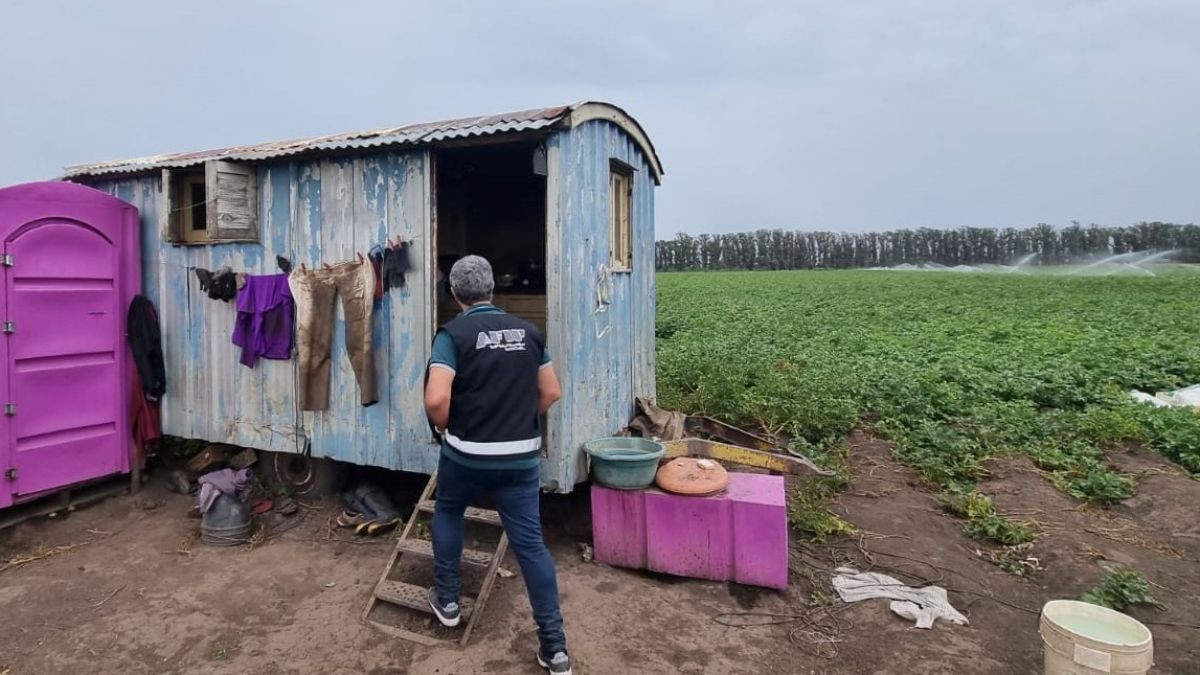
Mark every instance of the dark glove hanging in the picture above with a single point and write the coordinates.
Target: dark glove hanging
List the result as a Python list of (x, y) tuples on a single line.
[(205, 278), (284, 264), (219, 285), (396, 264), (223, 286)]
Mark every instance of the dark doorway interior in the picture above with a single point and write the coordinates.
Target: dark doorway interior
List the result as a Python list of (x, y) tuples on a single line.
[(491, 201)]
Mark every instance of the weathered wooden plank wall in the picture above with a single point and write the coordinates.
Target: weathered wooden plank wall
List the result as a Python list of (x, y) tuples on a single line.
[(604, 358), (311, 212)]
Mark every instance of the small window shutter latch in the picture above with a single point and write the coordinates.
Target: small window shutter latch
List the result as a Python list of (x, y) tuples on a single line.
[(10, 409), (9, 327), (6, 260), (11, 473)]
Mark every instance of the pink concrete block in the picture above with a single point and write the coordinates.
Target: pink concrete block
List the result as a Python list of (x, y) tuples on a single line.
[(619, 527), (740, 535)]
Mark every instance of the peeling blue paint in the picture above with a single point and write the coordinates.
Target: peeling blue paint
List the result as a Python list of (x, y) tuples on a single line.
[(310, 202), (601, 354), (326, 210)]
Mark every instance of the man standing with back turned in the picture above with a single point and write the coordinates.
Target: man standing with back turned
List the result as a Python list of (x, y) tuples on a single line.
[(490, 380)]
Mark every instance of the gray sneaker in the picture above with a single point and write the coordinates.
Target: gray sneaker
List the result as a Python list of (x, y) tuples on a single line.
[(559, 664), (448, 614)]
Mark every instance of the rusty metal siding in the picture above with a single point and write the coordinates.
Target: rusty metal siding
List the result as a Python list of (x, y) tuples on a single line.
[(312, 212), (604, 358)]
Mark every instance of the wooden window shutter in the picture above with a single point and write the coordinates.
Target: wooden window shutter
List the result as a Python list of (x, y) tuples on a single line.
[(232, 201), (627, 222)]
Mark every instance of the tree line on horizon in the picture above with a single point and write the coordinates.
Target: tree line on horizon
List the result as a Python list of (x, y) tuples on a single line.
[(788, 250)]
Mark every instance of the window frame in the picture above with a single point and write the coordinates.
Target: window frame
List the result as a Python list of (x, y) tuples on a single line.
[(620, 215), (231, 204), (186, 207)]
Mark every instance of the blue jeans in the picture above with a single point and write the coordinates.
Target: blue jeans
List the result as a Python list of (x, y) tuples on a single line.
[(516, 495)]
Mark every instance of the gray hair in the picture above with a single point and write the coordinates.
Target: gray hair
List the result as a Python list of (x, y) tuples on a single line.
[(471, 280)]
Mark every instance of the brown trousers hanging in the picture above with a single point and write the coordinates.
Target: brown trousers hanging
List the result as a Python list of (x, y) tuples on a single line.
[(314, 292)]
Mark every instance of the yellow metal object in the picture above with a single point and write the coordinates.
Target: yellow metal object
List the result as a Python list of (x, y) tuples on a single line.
[(698, 447)]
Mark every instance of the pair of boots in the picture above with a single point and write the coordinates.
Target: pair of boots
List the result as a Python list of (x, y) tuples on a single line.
[(368, 511)]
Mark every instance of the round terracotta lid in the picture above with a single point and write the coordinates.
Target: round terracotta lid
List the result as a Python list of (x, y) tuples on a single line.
[(693, 477)]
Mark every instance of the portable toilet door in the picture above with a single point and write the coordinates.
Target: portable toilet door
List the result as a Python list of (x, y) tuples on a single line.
[(71, 266)]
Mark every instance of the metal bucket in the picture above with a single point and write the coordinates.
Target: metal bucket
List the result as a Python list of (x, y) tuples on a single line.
[(227, 523)]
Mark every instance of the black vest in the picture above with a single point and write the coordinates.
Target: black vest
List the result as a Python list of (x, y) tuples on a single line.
[(494, 396)]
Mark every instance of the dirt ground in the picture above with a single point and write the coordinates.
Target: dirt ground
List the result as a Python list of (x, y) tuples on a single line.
[(135, 594)]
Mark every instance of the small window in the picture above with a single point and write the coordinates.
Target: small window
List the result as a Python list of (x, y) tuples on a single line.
[(620, 189), (191, 207), (217, 203)]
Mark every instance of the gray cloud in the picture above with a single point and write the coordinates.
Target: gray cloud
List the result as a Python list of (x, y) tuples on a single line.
[(792, 114)]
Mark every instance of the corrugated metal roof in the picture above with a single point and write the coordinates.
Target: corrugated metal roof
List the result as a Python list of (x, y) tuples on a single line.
[(428, 132)]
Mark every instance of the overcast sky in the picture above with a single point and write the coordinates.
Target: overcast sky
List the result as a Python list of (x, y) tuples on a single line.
[(806, 115)]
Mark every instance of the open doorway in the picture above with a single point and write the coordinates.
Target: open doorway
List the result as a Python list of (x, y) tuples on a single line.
[(491, 201)]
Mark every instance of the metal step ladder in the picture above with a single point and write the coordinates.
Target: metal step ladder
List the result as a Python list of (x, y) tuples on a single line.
[(413, 596)]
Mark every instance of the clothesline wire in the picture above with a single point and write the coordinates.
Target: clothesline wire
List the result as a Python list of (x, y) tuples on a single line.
[(166, 263), (193, 205), (302, 442)]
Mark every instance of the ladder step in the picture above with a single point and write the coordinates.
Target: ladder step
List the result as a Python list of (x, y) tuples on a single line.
[(414, 597), (424, 548), (485, 516)]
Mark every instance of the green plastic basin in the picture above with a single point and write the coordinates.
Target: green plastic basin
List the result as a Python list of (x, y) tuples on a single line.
[(624, 463)]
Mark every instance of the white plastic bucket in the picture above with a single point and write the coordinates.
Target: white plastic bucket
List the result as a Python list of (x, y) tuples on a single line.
[(1080, 638)]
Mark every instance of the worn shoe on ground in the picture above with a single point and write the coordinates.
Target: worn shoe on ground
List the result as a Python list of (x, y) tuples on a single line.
[(448, 614), (350, 519), (382, 525), (559, 664)]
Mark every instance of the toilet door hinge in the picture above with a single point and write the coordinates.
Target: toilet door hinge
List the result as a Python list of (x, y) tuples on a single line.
[(10, 409), (11, 473), (9, 327), (6, 260)]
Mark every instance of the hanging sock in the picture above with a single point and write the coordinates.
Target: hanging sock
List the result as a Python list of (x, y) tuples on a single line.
[(378, 255)]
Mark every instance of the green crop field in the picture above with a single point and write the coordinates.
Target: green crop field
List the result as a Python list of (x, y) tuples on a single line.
[(952, 368)]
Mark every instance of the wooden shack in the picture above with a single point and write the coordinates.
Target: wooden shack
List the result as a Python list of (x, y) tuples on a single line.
[(560, 199)]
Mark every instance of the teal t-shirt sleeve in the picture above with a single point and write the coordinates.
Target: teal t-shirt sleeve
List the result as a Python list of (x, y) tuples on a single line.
[(545, 356), (443, 351)]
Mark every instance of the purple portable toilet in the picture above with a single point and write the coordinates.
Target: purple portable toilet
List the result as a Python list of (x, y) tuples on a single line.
[(71, 265)]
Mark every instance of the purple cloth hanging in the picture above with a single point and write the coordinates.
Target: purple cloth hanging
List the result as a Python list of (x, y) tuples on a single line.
[(224, 481), (265, 315)]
